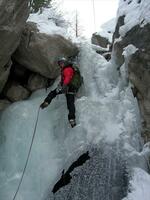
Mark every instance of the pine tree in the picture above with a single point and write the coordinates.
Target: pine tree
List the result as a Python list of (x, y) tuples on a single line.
[(37, 4)]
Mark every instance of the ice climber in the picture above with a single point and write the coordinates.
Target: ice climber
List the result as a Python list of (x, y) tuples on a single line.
[(70, 82)]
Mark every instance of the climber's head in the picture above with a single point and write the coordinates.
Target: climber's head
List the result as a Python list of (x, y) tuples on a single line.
[(62, 61)]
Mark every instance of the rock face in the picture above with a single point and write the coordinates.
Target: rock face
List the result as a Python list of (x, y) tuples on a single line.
[(120, 22), (36, 82), (13, 16), (138, 67), (22, 82), (99, 40), (4, 73), (33, 64), (105, 47), (17, 92), (39, 52)]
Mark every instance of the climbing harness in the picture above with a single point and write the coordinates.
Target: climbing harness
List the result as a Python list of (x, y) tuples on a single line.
[(28, 155)]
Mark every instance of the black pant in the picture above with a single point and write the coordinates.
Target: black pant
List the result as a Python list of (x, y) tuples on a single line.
[(70, 97), (70, 105)]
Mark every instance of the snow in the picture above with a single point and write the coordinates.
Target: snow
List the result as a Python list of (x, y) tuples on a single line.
[(135, 13), (129, 50), (110, 25), (99, 48), (107, 29), (139, 185), (47, 22)]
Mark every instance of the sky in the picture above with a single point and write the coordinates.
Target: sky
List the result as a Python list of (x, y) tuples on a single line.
[(104, 11)]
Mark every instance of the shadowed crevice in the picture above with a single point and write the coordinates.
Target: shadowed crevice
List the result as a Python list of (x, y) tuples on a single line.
[(66, 177)]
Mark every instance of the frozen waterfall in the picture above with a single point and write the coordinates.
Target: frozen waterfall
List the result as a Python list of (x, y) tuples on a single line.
[(108, 125)]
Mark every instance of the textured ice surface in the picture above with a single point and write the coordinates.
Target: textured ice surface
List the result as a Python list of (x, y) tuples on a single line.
[(106, 111), (103, 176)]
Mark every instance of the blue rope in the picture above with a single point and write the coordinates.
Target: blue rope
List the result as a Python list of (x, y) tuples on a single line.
[(27, 156)]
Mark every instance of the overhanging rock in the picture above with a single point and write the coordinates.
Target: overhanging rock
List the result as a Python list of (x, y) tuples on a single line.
[(13, 15), (39, 52)]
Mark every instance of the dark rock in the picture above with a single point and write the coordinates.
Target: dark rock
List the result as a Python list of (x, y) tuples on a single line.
[(4, 74), (137, 36), (119, 23), (118, 50), (138, 66), (13, 16), (99, 40), (19, 74), (17, 92), (107, 55), (4, 103), (36, 81)]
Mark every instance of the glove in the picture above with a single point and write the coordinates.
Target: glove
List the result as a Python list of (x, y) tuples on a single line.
[(61, 89), (44, 105)]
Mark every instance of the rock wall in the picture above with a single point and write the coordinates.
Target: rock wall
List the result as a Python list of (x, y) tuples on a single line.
[(99, 40), (28, 58), (13, 15), (138, 67)]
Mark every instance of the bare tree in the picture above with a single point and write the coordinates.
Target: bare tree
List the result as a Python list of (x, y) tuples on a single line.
[(76, 26)]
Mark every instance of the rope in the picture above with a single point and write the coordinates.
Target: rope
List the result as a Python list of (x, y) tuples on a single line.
[(28, 155), (94, 15)]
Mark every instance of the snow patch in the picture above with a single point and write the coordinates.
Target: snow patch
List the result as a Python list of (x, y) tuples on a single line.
[(129, 50), (47, 22), (139, 185), (135, 13), (108, 29)]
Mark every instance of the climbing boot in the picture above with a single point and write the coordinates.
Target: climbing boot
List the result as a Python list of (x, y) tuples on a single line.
[(72, 122)]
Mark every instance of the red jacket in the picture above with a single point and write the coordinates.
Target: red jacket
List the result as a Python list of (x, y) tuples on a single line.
[(67, 75)]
